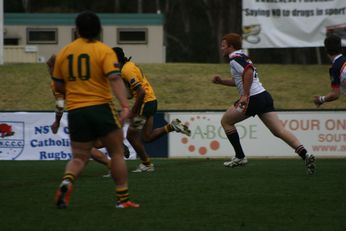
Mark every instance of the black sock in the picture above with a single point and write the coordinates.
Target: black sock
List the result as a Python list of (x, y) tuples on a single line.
[(301, 151), (234, 139)]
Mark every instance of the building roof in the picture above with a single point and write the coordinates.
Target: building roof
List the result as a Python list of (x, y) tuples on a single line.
[(69, 19)]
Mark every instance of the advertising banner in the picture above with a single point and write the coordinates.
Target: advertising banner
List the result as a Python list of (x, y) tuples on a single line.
[(292, 23), (27, 136), (322, 133)]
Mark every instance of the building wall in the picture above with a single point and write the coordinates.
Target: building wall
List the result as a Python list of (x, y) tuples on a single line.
[(151, 52)]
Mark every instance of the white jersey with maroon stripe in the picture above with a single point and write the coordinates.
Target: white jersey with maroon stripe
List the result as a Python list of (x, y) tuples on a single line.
[(338, 73), (239, 62)]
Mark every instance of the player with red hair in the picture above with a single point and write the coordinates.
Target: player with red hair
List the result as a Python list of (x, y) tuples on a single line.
[(254, 100)]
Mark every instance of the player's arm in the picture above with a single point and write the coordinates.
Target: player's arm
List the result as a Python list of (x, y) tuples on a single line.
[(228, 82), (120, 92), (50, 63), (335, 89), (59, 111), (334, 94), (59, 93), (59, 84), (140, 92), (59, 97), (247, 82)]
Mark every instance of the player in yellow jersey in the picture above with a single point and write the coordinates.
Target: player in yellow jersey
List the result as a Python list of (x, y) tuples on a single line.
[(85, 73), (96, 154), (143, 111)]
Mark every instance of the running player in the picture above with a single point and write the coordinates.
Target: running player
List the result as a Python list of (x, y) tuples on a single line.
[(254, 100), (96, 154), (85, 73), (143, 111), (337, 71)]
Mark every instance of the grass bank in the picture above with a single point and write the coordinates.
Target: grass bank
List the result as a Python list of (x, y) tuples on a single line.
[(178, 86)]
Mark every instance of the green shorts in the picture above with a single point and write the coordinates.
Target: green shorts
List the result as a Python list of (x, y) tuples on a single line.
[(89, 123), (149, 108)]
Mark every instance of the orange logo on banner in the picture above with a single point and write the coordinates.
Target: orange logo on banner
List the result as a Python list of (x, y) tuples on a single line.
[(213, 145)]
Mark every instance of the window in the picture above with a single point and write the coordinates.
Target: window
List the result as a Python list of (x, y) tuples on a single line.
[(11, 41), (42, 36), (132, 36)]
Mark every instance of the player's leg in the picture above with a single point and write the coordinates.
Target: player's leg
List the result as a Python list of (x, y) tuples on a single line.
[(100, 157), (81, 154), (141, 129), (134, 136), (113, 142), (82, 141), (149, 133), (103, 158), (109, 131), (228, 121), (98, 144), (271, 120)]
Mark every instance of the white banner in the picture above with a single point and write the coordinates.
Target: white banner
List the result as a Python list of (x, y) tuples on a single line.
[(27, 136), (292, 23), (322, 133)]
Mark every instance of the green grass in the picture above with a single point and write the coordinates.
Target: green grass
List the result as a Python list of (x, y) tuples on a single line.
[(183, 194), (25, 87)]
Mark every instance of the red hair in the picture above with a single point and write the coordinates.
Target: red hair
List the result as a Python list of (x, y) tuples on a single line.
[(233, 39)]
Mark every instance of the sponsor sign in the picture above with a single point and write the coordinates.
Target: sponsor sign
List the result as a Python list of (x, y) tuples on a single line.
[(27, 136), (322, 133), (11, 139), (34, 137)]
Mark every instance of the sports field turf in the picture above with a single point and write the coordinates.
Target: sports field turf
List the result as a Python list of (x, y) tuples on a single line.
[(182, 194)]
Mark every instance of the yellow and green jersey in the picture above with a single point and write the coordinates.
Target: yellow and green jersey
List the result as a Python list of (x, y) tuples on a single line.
[(83, 66), (134, 78)]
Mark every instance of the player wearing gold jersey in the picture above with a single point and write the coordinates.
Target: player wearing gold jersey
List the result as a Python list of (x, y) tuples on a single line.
[(96, 154), (84, 72), (143, 111)]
